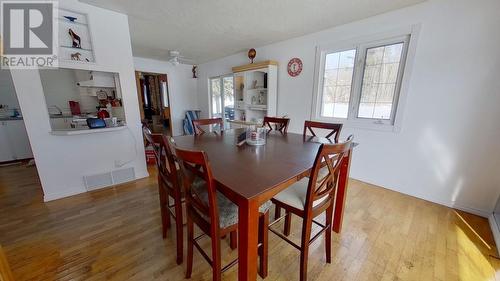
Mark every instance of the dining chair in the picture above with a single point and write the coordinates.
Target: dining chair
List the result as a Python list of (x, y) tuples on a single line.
[(308, 126), (213, 213), (310, 198), (335, 129), (204, 122), (281, 124), (169, 186)]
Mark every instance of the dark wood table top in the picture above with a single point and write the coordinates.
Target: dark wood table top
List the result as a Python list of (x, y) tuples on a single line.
[(253, 170)]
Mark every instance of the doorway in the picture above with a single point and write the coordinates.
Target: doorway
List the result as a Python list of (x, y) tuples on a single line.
[(18, 174), (222, 98), (14, 142), (154, 101)]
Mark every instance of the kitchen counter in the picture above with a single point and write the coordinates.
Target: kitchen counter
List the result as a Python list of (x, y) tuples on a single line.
[(72, 132), (8, 118), (55, 116)]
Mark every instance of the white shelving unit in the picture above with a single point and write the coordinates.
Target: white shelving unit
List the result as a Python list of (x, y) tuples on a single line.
[(81, 28), (255, 92)]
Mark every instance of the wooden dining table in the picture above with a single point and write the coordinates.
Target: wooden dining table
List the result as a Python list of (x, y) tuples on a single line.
[(251, 175)]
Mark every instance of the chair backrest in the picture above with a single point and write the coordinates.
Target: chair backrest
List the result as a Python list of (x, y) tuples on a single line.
[(195, 169), (165, 161), (335, 129), (203, 122), (281, 124), (320, 192)]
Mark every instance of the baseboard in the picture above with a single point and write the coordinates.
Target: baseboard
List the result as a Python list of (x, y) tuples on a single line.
[(495, 229), (450, 204), (59, 195), (481, 213)]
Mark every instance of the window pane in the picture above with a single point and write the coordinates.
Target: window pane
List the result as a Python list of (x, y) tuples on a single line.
[(337, 82), (379, 81), (216, 98), (228, 98)]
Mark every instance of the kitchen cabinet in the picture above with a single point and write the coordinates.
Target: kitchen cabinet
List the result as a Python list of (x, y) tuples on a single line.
[(14, 142), (5, 150)]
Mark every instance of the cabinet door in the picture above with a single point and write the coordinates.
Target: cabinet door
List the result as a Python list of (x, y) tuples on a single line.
[(5, 149), (18, 137)]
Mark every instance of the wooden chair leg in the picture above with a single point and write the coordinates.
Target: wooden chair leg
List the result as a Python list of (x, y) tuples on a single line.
[(263, 240), (216, 258), (288, 223), (328, 234), (233, 240), (304, 252), (190, 245), (277, 212), (165, 216), (178, 227)]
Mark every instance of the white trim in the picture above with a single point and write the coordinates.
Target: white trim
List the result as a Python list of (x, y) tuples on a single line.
[(71, 192), (62, 194), (474, 211), (361, 43), (73, 132), (426, 197), (495, 229), (221, 85)]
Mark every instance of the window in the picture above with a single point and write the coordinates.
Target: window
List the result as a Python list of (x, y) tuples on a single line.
[(360, 83), (222, 97)]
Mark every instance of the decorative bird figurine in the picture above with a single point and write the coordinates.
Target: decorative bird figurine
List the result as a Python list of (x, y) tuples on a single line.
[(75, 38), (70, 18)]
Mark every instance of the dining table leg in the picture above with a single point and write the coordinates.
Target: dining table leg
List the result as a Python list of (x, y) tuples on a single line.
[(338, 214), (248, 233)]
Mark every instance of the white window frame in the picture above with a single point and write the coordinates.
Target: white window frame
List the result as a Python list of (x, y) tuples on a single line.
[(221, 86), (409, 36)]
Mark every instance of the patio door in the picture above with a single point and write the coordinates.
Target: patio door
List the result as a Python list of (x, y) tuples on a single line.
[(222, 98)]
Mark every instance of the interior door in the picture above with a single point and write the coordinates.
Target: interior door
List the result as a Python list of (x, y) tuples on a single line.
[(139, 93), (162, 79)]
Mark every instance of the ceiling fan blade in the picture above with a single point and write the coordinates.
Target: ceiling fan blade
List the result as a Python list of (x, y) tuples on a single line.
[(184, 60)]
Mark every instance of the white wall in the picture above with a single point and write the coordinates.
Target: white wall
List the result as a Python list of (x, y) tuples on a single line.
[(448, 148), (62, 161), (181, 86)]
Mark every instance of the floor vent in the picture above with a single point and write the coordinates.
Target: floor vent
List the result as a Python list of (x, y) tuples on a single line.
[(98, 181), (94, 182), (123, 175)]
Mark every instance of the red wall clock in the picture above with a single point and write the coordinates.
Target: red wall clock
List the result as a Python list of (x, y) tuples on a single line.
[(294, 67)]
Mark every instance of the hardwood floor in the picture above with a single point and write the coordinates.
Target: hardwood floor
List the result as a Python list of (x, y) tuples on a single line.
[(116, 234)]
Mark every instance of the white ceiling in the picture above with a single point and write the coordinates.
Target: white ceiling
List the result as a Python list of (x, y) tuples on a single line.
[(206, 30)]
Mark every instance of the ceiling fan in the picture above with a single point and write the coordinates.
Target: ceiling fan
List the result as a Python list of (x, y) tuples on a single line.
[(175, 58)]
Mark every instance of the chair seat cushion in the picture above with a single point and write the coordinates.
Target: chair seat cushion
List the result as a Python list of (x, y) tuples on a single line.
[(295, 195), (228, 211)]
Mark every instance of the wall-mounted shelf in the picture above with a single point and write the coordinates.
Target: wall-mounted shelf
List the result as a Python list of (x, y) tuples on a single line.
[(73, 132), (76, 49), (252, 104), (254, 66), (79, 26)]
